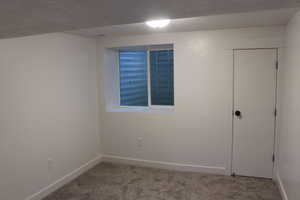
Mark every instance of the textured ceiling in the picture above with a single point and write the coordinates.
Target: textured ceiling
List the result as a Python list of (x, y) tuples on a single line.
[(222, 21), (27, 17)]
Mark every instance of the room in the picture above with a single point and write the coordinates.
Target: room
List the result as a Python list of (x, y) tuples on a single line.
[(156, 100)]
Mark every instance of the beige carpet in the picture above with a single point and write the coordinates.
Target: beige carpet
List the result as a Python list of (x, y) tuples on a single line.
[(123, 182)]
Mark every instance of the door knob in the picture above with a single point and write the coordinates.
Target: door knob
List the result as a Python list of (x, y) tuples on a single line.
[(238, 113)]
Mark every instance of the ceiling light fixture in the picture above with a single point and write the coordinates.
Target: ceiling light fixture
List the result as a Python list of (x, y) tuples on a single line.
[(158, 23)]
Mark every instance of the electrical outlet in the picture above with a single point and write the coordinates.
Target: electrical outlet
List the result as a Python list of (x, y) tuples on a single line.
[(139, 141), (50, 163)]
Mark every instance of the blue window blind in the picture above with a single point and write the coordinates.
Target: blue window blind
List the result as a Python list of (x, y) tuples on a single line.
[(162, 77), (133, 78)]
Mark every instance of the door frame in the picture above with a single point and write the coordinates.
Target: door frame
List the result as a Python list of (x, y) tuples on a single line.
[(275, 111)]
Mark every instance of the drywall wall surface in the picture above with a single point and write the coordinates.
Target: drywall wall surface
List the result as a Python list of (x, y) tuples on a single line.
[(48, 111), (288, 169), (198, 130)]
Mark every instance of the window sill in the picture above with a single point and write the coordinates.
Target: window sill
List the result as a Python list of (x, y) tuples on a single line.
[(152, 109)]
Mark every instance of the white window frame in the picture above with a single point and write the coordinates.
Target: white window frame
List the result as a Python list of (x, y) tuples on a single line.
[(150, 107)]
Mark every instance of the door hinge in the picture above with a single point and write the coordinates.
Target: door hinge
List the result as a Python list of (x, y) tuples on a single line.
[(276, 65), (273, 158), (275, 112)]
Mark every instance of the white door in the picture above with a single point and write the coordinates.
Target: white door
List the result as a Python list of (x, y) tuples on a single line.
[(254, 112)]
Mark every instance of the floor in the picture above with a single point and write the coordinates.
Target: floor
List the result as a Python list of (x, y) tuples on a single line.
[(109, 181)]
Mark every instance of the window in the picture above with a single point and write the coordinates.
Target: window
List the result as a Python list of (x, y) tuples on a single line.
[(133, 78), (162, 81), (146, 77)]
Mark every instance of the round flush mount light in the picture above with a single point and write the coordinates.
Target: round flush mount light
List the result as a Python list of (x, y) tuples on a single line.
[(158, 23)]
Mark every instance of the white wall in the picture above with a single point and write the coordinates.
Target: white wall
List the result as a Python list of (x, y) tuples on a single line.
[(48, 109), (289, 102), (198, 132)]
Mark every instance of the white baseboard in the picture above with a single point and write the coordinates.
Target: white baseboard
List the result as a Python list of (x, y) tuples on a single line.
[(164, 165), (281, 187), (64, 180)]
